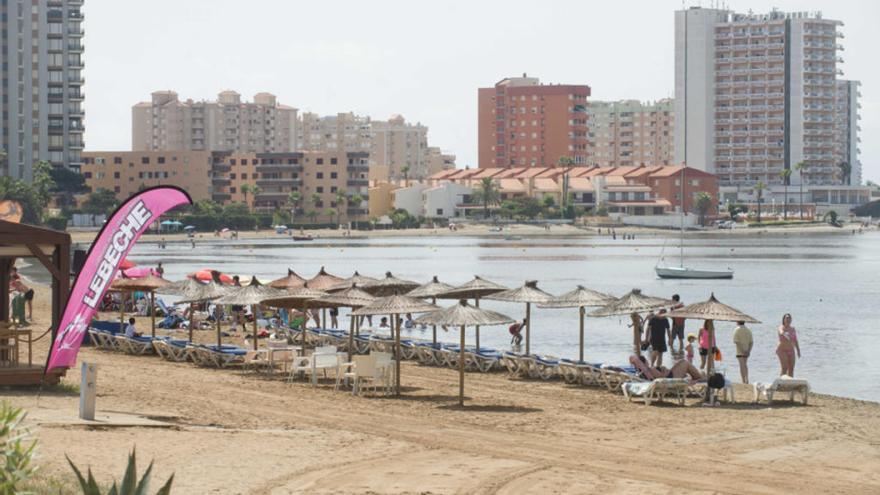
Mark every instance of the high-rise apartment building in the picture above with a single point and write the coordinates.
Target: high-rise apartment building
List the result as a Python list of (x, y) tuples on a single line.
[(400, 146), (755, 95), (340, 132), (846, 139), (228, 124), (42, 57), (629, 132), (439, 161), (525, 123)]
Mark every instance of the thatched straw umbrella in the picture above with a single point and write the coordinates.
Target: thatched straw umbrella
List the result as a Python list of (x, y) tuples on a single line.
[(463, 315), (356, 279), (711, 310), (432, 289), (475, 289), (296, 298), (147, 284), (395, 305), (291, 281), (192, 291), (251, 295), (579, 298), (352, 298), (389, 286), (324, 281), (529, 293), (633, 303)]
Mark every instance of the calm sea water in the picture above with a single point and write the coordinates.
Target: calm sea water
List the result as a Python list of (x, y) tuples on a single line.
[(829, 283)]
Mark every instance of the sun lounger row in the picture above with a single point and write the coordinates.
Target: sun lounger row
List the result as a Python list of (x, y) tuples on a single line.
[(108, 340)]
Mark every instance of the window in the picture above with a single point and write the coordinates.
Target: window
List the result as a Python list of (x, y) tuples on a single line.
[(333, 161), (333, 189), (161, 159), (319, 161), (87, 175), (145, 160), (116, 189), (319, 175), (319, 189), (232, 190), (116, 176), (117, 160), (231, 176), (243, 176), (232, 161), (333, 175), (439, 212), (244, 161)]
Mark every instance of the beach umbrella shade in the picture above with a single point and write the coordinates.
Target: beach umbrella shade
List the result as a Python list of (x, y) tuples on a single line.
[(356, 279), (353, 297), (149, 284), (475, 289), (126, 264), (251, 295), (463, 315), (633, 303), (192, 291), (395, 305), (189, 227), (529, 293), (298, 298), (389, 286), (579, 298), (324, 281), (208, 274), (138, 272), (711, 310), (291, 281), (431, 290)]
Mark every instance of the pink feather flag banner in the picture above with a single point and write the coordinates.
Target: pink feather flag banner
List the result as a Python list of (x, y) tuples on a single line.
[(110, 247)]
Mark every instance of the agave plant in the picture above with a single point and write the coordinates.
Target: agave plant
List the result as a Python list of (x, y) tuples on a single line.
[(16, 467), (129, 485)]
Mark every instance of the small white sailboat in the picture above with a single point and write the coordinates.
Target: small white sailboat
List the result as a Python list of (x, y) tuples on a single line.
[(682, 271)]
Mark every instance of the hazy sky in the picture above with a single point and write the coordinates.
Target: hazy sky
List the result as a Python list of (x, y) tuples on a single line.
[(423, 60)]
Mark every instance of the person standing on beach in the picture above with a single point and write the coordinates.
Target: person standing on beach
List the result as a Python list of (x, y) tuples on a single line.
[(788, 346), (658, 330), (160, 270), (516, 332), (16, 284), (742, 339), (677, 326)]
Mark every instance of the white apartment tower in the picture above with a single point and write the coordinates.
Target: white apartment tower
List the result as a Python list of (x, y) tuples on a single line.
[(846, 123), (228, 124), (42, 114), (755, 94)]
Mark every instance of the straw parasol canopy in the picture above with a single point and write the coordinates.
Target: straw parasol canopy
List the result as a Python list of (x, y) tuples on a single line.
[(579, 298), (711, 310), (251, 295), (395, 305), (431, 290), (463, 315), (356, 279), (146, 284), (323, 280), (291, 281), (529, 293), (183, 288), (353, 297), (390, 285), (475, 289), (633, 303), (192, 291), (297, 298)]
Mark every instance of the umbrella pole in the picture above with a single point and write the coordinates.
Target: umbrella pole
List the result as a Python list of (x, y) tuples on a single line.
[(254, 311), (477, 305), (122, 310), (351, 326), (710, 363), (397, 354), (192, 320), (637, 333), (528, 326), (304, 324), (461, 370), (581, 355), (324, 318), (153, 314), (217, 312), (434, 327)]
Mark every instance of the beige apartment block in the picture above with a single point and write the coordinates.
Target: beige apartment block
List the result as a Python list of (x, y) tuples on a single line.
[(225, 124), (439, 161), (340, 132), (324, 180), (629, 132), (127, 172), (401, 146)]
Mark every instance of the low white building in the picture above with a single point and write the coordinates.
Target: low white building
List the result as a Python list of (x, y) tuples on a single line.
[(409, 198), (443, 201)]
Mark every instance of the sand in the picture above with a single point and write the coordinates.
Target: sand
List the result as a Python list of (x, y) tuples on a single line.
[(231, 431)]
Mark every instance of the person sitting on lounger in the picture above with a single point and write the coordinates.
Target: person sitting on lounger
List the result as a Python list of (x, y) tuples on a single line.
[(130, 331), (383, 323), (681, 369)]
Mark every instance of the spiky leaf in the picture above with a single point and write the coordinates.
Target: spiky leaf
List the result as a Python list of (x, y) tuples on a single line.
[(128, 481), (166, 488)]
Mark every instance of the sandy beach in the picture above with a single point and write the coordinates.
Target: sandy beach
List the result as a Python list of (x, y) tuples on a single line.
[(482, 230), (231, 431)]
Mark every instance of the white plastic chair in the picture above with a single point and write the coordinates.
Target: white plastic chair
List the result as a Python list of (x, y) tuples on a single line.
[(362, 369)]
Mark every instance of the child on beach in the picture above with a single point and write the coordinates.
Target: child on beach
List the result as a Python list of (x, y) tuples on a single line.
[(689, 348)]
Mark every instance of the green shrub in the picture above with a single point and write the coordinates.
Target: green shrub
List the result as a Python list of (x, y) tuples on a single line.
[(57, 223), (15, 457), (129, 484)]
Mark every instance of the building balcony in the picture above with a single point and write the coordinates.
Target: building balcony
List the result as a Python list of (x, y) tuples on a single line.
[(75, 47), (75, 32), (279, 167), (282, 182), (221, 197), (357, 169), (221, 181), (76, 80), (76, 145), (75, 64), (357, 182), (221, 167)]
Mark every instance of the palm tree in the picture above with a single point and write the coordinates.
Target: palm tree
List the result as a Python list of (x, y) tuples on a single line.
[(245, 189), (313, 215), (330, 212), (703, 204), (255, 191), (316, 200), (785, 175), (355, 200), (759, 189), (565, 161), (845, 172), (487, 194), (340, 202), (405, 171), (293, 200), (801, 167)]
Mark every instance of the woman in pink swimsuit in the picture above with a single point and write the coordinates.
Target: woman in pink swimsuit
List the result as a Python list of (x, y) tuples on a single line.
[(788, 346)]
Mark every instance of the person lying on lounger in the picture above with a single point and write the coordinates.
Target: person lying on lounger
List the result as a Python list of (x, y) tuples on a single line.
[(680, 369)]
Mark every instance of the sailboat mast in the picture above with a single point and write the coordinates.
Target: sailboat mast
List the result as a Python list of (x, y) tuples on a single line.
[(681, 234)]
